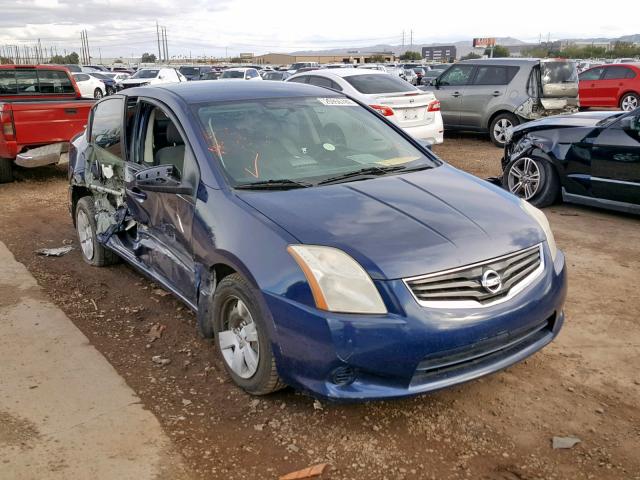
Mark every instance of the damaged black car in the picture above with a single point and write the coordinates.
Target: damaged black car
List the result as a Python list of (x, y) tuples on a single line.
[(590, 158)]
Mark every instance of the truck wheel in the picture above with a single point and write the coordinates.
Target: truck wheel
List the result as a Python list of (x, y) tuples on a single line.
[(93, 252), (499, 126), (6, 170), (97, 94), (532, 179), (242, 337), (629, 102)]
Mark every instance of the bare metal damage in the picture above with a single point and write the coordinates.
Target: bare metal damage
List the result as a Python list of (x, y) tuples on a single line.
[(534, 108)]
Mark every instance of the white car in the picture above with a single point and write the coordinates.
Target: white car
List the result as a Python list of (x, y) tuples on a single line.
[(90, 87), (415, 111), (240, 74), (118, 76), (153, 76)]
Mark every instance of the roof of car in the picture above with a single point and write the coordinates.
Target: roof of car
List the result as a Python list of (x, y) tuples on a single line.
[(503, 61), (345, 72), (217, 91), (239, 69)]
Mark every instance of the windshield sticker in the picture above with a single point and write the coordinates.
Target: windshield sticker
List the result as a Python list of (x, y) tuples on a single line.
[(328, 147), (337, 101)]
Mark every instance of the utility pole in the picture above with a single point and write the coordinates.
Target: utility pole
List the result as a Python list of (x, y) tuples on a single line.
[(166, 45), (86, 38), (411, 40), (158, 35), (403, 39)]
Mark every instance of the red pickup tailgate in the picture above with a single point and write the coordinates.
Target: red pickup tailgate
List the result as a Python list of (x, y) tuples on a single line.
[(42, 122)]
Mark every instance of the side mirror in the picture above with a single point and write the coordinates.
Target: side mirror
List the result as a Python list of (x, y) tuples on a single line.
[(161, 77), (163, 179), (631, 122)]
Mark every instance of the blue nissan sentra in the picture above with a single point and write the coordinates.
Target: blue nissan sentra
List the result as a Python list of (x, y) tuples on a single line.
[(321, 246)]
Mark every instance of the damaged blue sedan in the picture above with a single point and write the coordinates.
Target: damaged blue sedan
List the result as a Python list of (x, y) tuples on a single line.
[(319, 245)]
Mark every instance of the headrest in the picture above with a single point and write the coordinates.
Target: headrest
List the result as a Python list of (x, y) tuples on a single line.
[(173, 135)]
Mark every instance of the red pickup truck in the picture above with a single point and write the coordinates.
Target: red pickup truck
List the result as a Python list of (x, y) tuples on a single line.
[(41, 109)]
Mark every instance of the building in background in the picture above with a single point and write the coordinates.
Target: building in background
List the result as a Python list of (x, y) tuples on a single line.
[(352, 57), (440, 53)]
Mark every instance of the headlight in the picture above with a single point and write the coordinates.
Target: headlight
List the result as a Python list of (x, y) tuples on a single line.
[(337, 281), (541, 218)]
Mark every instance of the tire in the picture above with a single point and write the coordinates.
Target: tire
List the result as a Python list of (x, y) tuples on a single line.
[(97, 94), (92, 251), (498, 126), (110, 91), (629, 102), (6, 170), (260, 378), (547, 189)]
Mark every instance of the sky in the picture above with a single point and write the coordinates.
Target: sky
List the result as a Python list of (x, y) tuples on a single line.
[(219, 27)]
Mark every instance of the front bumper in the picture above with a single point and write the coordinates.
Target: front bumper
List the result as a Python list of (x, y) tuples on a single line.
[(412, 349)]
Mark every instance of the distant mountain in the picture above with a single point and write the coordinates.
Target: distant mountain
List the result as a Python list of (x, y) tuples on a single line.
[(463, 46)]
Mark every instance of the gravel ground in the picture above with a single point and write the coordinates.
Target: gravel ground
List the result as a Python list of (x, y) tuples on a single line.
[(586, 384)]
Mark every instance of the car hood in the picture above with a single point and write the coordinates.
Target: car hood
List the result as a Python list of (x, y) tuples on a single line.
[(582, 119), (404, 225)]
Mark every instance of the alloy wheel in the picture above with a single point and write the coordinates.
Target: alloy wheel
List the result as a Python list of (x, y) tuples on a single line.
[(238, 341), (85, 234), (500, 129), (524, 178), (630, 102)]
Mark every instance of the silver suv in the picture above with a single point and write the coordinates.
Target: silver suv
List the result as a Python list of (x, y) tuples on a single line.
[(493, 95)]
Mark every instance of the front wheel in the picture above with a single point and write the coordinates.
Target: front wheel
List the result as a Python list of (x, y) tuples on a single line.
[(97, 94), (499, 128), (242, 337), (629, 102), (92, 251), (532, 179)]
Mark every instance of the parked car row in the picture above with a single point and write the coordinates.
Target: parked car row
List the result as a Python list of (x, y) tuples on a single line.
[(614, 85)]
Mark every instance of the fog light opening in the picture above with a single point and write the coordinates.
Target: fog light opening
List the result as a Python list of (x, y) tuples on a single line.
[(342, 376)]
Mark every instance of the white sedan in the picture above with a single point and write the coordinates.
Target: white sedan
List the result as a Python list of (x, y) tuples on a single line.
[(90, 87), (415, 111)]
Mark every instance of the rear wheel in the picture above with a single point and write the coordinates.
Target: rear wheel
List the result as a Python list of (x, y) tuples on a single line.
[(6, 170), (92, 251), (500, 126), (97, 94), (532, 179), (629, 102), (242, 337)]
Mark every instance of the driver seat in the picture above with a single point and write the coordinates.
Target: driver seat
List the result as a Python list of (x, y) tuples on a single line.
[(173, 153)]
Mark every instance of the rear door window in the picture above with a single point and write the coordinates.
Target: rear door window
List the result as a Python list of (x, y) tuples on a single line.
[(616, 73), (494, 75)]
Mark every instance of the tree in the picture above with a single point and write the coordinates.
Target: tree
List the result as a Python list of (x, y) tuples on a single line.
[(377, 59), (5, 60), (498, 52), (470, 56), (148, 58), (409, 55), (71, 59), (236, 60)]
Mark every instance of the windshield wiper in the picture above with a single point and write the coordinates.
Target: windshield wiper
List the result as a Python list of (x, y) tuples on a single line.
[(280, 184), (369, 171)]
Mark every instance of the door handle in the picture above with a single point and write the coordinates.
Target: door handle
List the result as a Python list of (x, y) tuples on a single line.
[(70, 111), (497, 93), (456, 94), (137, 194)]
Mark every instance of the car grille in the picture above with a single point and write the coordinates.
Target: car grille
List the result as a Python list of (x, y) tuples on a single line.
[(463, 287)]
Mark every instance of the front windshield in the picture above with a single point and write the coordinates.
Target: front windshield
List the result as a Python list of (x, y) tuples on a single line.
[(305, 139), (558, 72), (146, 73), (232, 74)]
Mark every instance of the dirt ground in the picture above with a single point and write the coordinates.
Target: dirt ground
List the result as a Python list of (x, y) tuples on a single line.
[(586, 384)]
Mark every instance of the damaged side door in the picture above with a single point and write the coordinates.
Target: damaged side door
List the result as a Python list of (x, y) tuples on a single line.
[(160, 184)]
